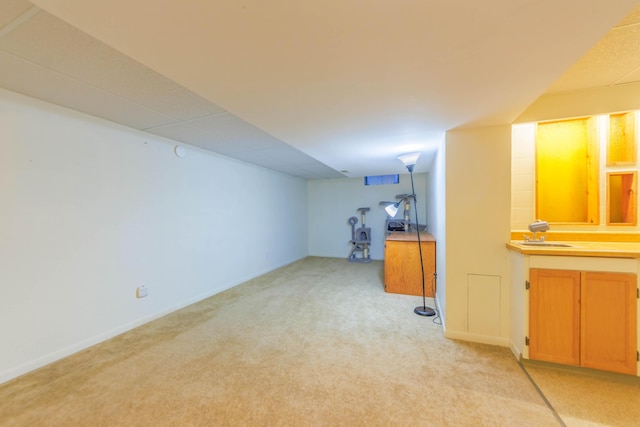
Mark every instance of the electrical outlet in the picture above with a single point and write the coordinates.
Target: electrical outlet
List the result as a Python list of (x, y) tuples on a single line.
[(141, 292)]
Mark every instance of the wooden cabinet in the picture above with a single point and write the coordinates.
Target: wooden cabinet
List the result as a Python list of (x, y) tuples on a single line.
[(584, 318), (608, 322), (554, 316), (402, 263)]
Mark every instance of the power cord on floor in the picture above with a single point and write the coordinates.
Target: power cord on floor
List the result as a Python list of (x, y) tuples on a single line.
[(436, 319)]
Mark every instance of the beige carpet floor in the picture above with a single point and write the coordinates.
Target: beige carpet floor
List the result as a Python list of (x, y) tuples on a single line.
[(317, 342), (584, 397)]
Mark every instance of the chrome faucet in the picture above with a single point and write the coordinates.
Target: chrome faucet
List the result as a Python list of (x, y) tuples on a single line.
[(538, 226)]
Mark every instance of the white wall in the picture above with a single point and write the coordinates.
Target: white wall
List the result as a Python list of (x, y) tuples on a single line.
[(478, 186), (333, 201), (91, 210), (436, 218)]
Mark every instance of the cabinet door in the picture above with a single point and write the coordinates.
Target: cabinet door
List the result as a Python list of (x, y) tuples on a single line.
[(608, 322), (554, 316), (402, 267)]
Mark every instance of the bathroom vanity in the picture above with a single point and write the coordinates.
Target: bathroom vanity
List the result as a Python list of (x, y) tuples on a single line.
[(576, 303)]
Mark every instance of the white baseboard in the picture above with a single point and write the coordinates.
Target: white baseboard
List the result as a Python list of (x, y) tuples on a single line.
[(515, 350), (484, 339), (437, 302)]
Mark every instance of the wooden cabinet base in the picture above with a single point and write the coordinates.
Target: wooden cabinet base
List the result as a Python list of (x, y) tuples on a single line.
[(584, 318), (402, 264), (608, 323), (554, 316)]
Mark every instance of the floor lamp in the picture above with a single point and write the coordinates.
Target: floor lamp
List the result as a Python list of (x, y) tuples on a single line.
[(410, 160)]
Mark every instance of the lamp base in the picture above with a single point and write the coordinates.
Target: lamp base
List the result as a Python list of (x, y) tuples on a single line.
[(424, 311)]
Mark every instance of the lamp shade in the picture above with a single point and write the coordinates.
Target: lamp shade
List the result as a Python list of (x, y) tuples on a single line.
[(391, 208), (409, 159)]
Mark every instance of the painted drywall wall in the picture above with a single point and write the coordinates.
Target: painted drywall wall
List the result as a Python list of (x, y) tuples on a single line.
[(333, 201), (437, 220), (92, 210), (478, 203)]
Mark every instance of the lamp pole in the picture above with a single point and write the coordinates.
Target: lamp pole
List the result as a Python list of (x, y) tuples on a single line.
[(409, 161)]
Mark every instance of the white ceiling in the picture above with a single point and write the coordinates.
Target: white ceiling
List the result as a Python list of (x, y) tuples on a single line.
[(313, 89)]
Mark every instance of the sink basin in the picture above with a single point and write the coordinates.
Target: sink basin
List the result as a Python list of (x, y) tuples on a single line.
[(556, 244)]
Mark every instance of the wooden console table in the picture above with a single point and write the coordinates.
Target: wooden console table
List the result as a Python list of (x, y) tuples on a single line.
[(402, 263)]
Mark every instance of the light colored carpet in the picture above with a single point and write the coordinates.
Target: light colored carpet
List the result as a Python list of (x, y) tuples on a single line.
[(584, 397), (317, 342)]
